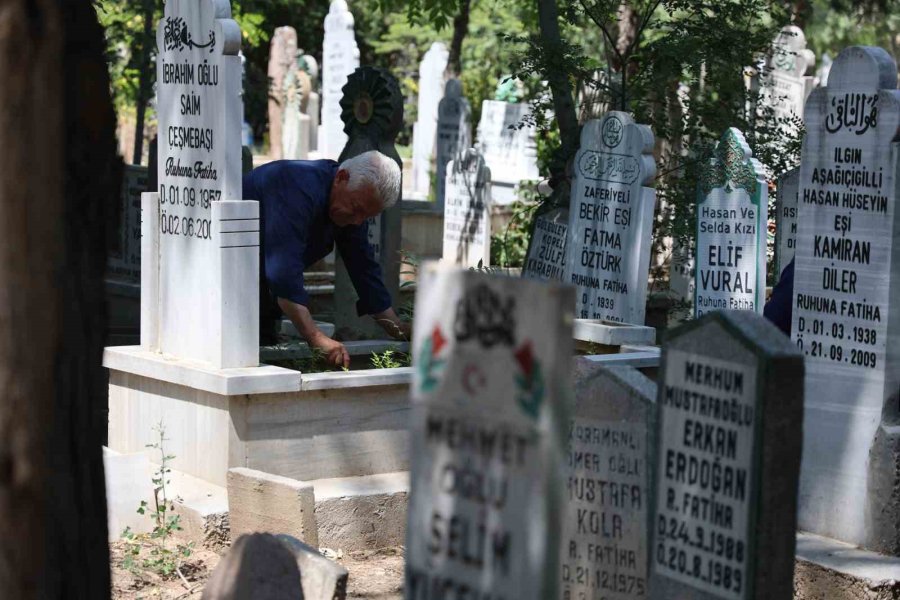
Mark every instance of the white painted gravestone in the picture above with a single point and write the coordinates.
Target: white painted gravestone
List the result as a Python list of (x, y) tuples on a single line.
[(786, 219), (611, 218), (508, 146), (732, 207), (604, 551), (489, 412), (340, 57), (846, 294), (728, 460), (311, 67), (467, 211), (124, 261), (785, 85), (200, 250), (282, 62), (454, 131), (546, 255), (295, 132), (431, 89)]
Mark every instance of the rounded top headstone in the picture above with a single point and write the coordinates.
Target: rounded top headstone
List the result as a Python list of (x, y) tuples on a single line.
[(617, 133), (371, 108), (339, 17), (863, 67), (453, 88)]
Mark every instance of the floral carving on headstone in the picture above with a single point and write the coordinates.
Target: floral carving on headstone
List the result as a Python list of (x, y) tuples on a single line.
[(732, 166)]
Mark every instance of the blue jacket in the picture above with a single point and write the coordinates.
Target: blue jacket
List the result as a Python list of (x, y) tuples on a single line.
[(295, 231), (780, 306)]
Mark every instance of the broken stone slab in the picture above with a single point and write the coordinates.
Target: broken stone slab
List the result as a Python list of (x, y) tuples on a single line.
[(258, 567), (262, 502), (827, 568), (321, 578)]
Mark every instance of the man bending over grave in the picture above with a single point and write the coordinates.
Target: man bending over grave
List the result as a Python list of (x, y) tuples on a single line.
[(306, 209)]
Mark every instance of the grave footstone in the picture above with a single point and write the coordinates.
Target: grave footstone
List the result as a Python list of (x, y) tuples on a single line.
[(200, 242), (846, 294), (786, 219), (611, 219), (282, 61), (467, 211), (725, 485), (605, 540), (785, 84), (508, 145), (372, 110), (340, 58), (454, 132), (431, 88), (489, 413), (732, 223)]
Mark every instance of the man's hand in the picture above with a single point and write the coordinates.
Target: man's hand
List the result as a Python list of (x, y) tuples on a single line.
[(299, 315), (393, 326), (335, 352)]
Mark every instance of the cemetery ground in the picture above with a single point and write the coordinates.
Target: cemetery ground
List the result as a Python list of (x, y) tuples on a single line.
[(374, 574)]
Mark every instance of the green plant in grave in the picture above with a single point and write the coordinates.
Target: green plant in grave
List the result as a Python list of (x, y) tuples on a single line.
[(159, 558), (390, 359)]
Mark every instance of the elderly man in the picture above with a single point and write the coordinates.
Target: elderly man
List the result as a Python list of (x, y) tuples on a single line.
[(307, 208)]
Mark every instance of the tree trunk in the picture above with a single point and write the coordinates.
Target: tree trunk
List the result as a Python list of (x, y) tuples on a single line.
[(144, 84), (59, 180), (460, 30), (560, 87)]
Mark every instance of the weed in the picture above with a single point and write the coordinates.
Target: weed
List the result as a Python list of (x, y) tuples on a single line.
[(390, 359), (159, 558)]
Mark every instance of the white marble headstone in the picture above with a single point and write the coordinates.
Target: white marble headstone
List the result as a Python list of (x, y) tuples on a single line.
[(785, 85), (454, 131), (467, 211), (732, 217), (786, 219), (203, 240), (431, 89), (508, 146), (491, 400), (846, 284), (282, 62), (313, 104), (340, 57), (611, 219)]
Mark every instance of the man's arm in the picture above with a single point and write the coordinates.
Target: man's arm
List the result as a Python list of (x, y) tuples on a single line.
[(299, 315)]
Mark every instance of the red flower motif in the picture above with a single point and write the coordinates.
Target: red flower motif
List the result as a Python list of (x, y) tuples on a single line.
[(437, 341), (525, 358)]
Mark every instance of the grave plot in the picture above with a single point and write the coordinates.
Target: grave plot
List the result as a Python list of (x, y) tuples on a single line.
[(845, 302)]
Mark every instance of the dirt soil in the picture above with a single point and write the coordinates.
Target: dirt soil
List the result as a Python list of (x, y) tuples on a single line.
[(374, 575)]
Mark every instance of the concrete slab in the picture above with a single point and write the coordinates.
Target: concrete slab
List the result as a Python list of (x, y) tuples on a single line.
[(203, 507), (832, 570), (262, 502), (362, 513), (127, 484), (612, 334)]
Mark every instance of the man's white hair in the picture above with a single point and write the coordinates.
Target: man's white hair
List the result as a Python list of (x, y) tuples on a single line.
[(375, 169)]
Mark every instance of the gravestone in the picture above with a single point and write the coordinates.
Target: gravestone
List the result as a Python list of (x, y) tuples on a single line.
[(282, 61), (431, 89), (728, 460), (732, 223), (508, 146), (454, 132), (467, 211), (611, 219), (490, 406), (295, 132), (200, 242), (785, 84), (546, 255), (786, 219), (846, 294), (372, 110), (309, 65), (604, 551), (124, 261), (682, 276), (340, 58)]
